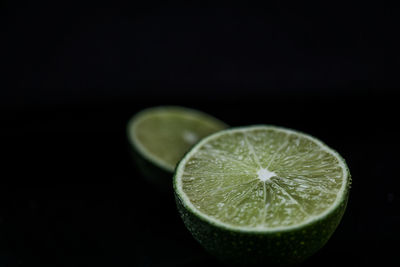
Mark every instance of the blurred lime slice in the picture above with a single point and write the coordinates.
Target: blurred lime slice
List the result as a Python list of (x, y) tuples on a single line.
[(160, 136)]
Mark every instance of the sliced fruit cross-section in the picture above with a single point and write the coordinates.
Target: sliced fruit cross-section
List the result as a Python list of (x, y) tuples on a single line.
[(262, 181), (163, 134)]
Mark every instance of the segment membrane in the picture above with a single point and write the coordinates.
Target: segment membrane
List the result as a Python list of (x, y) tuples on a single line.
[(222, 178)]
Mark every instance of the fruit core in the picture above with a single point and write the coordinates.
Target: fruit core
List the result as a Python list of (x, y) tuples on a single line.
[(264, 175)]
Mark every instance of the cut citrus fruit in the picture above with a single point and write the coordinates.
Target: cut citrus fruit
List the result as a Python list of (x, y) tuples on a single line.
[(160, 136), (261, 194)]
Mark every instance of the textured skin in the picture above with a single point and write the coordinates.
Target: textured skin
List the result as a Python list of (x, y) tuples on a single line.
[(152, 171), (273, 249)]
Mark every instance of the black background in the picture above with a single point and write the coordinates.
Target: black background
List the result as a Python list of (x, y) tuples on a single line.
[(74, 74)]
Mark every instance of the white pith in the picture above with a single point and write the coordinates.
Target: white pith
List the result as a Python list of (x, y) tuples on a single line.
[(264, 175), (190, 137)]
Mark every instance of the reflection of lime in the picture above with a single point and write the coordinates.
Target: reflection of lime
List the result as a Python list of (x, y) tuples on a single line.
[(261, 194), (160, 136)]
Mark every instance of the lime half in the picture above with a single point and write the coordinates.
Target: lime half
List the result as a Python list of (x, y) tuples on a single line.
[(262, 194), (160, 136)]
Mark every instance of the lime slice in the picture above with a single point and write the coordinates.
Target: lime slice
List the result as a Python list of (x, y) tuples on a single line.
[(262, 194), (162, 135)]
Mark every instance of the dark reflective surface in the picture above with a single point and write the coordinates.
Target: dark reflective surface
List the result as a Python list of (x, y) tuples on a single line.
[(70, 194)]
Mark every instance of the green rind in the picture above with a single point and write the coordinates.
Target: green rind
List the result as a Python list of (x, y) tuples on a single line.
[(275, 248), (281, 248), (152, 171)]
